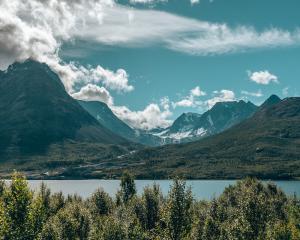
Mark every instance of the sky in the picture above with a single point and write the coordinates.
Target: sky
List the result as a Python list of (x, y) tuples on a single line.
[(152, 60)]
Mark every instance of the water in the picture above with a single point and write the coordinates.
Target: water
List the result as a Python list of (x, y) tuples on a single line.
[(202, 189)]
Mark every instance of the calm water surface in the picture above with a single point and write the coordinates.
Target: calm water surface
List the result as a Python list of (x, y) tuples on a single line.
[(202, 189)]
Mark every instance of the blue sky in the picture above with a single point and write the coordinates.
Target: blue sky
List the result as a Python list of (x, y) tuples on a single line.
[(152, 60), (156, 71)]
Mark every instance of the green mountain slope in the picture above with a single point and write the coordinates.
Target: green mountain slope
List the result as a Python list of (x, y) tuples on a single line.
[(36, 111), (267, 145)]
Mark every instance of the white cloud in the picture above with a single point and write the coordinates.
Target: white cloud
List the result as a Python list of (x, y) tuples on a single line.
[(197, 92), (193, 2), (165, 103), (113, 80), (252, 94), (37, 28), (184, 103), (262, 77), (92, 92), (285, 91), (191, 99), (151, 117), (220, 96), (147, 1)]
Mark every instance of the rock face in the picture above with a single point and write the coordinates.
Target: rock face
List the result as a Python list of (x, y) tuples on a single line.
[(193, 126), (36, 111)]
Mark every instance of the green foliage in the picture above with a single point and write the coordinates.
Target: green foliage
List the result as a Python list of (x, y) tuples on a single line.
[(57, 202), (152, 199), (101, 203), (128, 189), (179, 208), (114, 230), (40, 209), (71, 222), (3, 226), (2, 187), (248, 210), (294, 218), (17, 206)]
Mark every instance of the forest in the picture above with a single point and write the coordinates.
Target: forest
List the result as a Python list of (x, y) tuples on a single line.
[(248, 210)]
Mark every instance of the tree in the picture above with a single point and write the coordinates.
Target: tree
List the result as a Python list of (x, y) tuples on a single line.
[(57, 202), (246, 210), (179, 210), (3, 226), (17, 200), (278, 231), (128, 188), (294, 218), (152, 200), (2, 188), (72, 222), (101, 203), (40, 209), (114, 230)]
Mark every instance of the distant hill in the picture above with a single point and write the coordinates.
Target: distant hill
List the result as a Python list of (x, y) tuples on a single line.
[(36, 111), (223, 115), (108, 119), (267, 145), (186, 128)]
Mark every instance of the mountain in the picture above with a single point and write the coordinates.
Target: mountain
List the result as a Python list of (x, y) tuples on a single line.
[(267, 145), (36, 111), (272, 100), (223, 115), (187, 127), (108, 119)]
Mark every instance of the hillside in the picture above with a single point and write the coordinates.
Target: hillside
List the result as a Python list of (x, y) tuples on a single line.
[(36, 112), (108, 119), (192, 126), (267, 146)]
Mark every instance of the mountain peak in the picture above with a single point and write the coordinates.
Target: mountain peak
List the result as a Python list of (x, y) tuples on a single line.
[(272, 100), (36, 111)]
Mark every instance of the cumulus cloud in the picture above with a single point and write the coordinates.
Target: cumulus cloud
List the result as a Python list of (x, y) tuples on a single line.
[(197, 92), (113, 80), (193, 2), (92, 92), (262, 77), (220, 96), (190, 100), (151, 117), (252, 94), (37, 28), (147, 1)]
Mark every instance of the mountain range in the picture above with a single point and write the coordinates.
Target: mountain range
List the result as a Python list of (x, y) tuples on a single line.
[(108, 119), (43, 129), (267, 145), (193, 126)]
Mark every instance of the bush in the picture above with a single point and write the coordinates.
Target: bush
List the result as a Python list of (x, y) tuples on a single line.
[(247, 210), (101, 203), (71, 222)]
